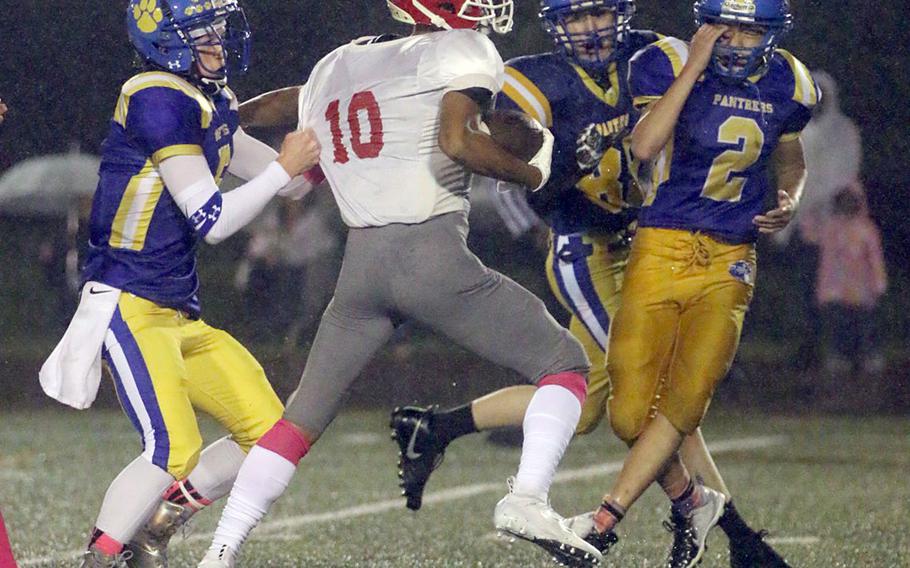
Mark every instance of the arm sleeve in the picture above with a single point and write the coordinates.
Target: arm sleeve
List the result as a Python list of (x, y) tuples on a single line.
[(653, 69), (251, 157), (164, 122), (213, 215), (467, 59)]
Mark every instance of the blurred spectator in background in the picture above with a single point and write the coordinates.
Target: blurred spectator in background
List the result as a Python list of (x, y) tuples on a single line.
[(291, 264), (833, 153), (851, 281), (3, 109)]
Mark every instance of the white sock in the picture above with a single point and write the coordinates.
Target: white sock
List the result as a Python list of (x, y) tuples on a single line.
[(217, 469), (263, 478), (549, 424), (131, 499)]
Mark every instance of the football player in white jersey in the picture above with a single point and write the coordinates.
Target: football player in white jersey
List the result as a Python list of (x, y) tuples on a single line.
[(396, 119)]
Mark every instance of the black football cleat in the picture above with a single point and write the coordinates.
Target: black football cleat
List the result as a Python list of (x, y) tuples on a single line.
[(602, 541), (749, 550), (420, 450), (583, 526), (690, 533)]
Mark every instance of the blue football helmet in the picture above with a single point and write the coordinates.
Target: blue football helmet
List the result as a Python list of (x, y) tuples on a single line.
[(739, 63), (585, 47), (168, 33)]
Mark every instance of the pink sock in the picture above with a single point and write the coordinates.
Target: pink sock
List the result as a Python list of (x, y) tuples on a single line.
[(107, 545), (6, 551)]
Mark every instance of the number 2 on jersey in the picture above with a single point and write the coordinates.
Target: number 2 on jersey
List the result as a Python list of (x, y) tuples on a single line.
[(361, 103), (725, 179)]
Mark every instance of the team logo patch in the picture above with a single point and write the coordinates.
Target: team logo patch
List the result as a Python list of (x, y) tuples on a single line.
[(744, 271), (739, 6)]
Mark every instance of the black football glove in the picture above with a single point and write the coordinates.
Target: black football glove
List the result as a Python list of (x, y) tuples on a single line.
[(590, 147), (592, 144)]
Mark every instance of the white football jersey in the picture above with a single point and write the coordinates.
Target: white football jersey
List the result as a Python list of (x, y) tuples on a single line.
[(374, 106)]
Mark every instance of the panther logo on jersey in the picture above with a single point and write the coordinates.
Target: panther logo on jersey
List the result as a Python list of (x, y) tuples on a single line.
[(148, 15)]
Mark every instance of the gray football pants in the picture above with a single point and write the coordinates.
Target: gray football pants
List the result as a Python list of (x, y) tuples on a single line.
[(426, 273)]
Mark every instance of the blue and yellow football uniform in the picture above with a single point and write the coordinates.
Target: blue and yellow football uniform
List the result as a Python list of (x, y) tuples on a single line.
[(164, 359), (692, 266), (588, 219)]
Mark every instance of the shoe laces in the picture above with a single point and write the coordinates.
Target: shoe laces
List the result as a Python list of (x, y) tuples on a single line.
[(119, 560), (683, 537)]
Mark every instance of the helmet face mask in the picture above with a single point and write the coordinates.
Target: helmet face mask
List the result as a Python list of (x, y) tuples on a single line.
[(593, 47), (455, 14), (769, 18), (176, 35)]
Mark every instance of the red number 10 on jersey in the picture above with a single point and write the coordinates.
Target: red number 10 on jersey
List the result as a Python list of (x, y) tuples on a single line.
[(362, 101)]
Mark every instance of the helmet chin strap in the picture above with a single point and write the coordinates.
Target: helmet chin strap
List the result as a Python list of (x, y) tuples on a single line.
[(435, 19)]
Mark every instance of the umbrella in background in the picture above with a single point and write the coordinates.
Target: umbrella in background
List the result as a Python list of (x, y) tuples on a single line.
[(56, 185)]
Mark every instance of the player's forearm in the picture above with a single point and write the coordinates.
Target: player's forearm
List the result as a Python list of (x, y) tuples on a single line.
[(271, 110), (655, 128), (790, 169), (480, 154)]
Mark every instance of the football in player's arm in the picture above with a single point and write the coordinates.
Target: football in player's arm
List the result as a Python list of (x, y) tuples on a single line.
[(717, 113)]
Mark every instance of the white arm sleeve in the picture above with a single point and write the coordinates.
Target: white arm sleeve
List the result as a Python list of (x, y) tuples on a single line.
[(216, 216), (251, 156)]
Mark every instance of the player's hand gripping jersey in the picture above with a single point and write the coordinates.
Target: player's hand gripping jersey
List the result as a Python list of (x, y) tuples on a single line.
[(711, 176), (374, 104), (141, 241), (565, 99)]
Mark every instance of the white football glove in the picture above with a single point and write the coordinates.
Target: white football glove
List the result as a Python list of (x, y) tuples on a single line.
[(541, 160)]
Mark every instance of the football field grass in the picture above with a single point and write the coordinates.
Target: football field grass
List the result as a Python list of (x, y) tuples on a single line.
[(833, 491)]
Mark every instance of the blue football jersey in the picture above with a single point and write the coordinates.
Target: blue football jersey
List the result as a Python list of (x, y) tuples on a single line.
[(712, 174), (141, 241), (565, 99)]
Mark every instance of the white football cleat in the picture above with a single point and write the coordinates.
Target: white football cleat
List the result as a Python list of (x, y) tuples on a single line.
[(530, 518), (221, 557)]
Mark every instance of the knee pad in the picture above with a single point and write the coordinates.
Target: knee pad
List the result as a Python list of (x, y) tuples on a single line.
[(627, 420), (591, 417)]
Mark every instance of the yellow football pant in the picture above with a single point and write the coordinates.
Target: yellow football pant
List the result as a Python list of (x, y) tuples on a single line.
[(586, 277), (684, 300), (164, 365)]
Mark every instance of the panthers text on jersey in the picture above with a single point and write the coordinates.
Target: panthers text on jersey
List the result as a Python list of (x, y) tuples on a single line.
[(565, 99), (711, 176), (141, 242), (375, 105)]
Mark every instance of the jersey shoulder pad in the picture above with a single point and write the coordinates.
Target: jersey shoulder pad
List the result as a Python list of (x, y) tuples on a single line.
[(640, 39), (653, 69), (163, 114), (794, 78), (466, 59), (536, 83)]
